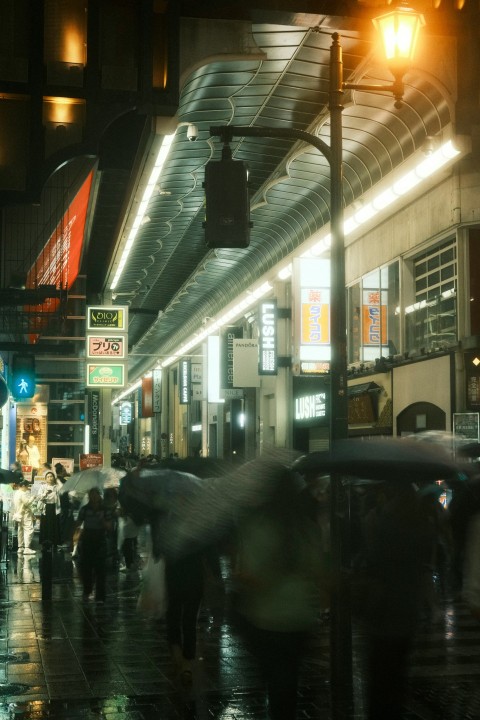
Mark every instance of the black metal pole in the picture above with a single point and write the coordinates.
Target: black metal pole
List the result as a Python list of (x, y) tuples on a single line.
[(341, 623), (341, 635), (49, 521)]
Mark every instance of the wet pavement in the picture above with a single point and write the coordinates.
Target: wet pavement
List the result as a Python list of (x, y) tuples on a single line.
[(65, 659)]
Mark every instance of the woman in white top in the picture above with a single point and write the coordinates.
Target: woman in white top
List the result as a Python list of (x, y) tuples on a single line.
[(23, 514)]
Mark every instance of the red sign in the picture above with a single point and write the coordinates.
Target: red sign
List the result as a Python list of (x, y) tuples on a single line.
[(58, 263), (90, 460), (147, 397)]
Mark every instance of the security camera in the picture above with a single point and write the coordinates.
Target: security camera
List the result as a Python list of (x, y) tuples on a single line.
[(192, 133)]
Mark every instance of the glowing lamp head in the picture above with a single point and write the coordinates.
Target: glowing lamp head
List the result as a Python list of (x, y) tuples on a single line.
[(399, 31)]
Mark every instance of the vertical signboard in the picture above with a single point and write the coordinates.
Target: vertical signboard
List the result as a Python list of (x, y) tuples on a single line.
[(374, 317), (93, 415), (157, 390), (147, 397), (106, 346), (267, 351), (312, 351), (226, 356), (184, 381)]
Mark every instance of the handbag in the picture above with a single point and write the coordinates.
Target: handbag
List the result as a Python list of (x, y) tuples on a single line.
[(152, 600)]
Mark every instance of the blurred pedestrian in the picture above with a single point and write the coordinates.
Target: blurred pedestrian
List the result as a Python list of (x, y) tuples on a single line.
[(93, 546), (33, 455), (24, 516), (398, 547), (127, 542), (279, 577), (49, 495)]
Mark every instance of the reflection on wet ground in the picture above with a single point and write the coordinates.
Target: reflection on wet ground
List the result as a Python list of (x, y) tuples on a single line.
[(65, 659)]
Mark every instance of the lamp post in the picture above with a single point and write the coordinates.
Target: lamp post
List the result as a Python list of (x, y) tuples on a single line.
[(399, 29)]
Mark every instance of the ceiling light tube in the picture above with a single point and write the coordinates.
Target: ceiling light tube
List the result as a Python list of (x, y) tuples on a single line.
[(142, 208)]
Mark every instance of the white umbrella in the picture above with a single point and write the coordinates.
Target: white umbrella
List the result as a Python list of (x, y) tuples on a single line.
[(81, 482)]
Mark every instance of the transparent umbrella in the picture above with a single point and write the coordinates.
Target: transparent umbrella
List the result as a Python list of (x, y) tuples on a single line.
[(81, 482)]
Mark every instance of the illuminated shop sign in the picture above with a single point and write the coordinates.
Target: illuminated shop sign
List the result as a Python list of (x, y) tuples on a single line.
[(99, 318), (375, 327), (310, 407), (267, 356), (157, 390), (125, 413), (311, 303), (105, 375), (184, 381), (102, 346), (94, 419), (310, 401)]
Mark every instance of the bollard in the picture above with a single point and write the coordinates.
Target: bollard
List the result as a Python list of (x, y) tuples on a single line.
[(48, 535)]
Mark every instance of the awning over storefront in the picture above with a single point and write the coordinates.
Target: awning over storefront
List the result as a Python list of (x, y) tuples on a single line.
[(363, 388)]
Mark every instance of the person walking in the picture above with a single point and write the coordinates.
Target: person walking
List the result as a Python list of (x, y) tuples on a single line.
[(93, 546), (50, 517), (279, 580), (398, 549), (24, 516)]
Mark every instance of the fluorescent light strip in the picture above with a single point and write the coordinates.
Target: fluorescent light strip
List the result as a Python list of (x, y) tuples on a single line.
[(142, 208), (128, 391), (250, 299), (400, 187)]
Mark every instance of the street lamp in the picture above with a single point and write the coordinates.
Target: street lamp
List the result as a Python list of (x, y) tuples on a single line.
[(400, 32), (399, 29)]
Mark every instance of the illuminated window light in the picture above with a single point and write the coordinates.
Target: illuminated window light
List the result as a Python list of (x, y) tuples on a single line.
[(142, 208)]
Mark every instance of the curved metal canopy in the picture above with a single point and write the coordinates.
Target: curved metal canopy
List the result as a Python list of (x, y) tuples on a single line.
[(172, 282)]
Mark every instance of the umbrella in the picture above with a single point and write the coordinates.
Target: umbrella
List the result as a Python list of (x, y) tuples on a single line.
[(83, 481), (8, 477), (154, 489), (385, 459), (202, 467), (208, 515)]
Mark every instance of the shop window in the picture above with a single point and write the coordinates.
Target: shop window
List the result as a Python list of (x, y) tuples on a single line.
[(431, 319)]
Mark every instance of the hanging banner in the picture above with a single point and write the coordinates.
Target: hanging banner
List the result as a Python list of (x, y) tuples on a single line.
[(157, 390), (147, 397), (245, 363)]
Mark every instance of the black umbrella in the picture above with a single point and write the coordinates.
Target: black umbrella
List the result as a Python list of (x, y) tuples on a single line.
[(155, 489), (469, 450), (202, 467), (8, 477), (385, 459)]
